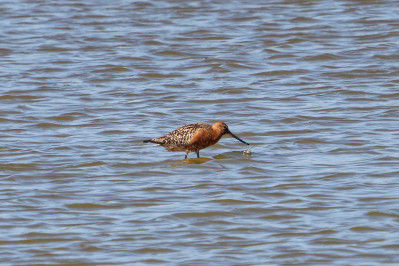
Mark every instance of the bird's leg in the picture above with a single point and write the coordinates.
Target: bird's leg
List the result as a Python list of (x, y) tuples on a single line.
[(197, 154), (186, 155)]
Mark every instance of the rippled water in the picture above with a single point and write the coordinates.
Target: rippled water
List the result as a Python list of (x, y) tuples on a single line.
[(312, 85)]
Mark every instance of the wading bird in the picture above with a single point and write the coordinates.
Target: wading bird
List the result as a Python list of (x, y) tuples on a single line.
[(193, 137)]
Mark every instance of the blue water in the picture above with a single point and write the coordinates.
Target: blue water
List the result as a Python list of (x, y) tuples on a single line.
[(311, 86)]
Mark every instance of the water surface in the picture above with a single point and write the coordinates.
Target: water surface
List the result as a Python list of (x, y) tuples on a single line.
[(311, 85)]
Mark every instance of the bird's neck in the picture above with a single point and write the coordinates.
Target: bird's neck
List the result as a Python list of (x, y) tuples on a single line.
[(217, 135)]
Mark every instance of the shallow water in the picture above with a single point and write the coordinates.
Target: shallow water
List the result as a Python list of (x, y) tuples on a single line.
[(311, 85)]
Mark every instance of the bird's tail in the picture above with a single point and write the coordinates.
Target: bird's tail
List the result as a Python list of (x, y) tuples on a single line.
[(152, 141)]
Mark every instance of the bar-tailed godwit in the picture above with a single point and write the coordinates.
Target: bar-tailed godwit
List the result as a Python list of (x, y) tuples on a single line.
[(194, 137)]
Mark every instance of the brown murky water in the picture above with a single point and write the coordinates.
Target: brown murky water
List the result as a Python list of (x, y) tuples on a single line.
[(312, 85)]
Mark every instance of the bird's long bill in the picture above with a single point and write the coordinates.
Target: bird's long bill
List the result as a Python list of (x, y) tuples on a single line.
[(234, 136)]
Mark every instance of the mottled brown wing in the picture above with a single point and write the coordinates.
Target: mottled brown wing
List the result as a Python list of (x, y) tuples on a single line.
[(181, 136)]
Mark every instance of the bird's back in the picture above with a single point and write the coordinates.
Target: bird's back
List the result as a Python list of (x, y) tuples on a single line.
[(182, 136)]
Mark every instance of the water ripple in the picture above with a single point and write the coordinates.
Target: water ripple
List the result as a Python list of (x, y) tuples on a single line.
[(311, 85)]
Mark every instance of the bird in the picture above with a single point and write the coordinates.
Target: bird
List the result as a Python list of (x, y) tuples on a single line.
[(194, 137)]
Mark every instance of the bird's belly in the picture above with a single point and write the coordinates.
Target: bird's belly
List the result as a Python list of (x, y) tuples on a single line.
[(189, 148), (199, 146), (176, 148)]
